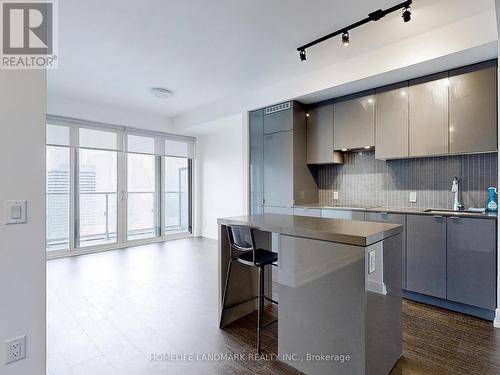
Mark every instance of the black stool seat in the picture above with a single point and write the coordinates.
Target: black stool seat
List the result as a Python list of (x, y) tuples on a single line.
[(262, 257)]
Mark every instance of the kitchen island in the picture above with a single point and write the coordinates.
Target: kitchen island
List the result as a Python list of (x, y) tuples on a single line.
[(339, 290)]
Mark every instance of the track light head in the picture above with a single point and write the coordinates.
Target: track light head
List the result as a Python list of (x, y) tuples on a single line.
[(407, 14), (345, 38), (302, 54)]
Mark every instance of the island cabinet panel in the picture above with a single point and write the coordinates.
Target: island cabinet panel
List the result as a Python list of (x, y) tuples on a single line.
[(471, 276), (278, 169), (384, 217), (354, 121), (426, 255), (473, 108), (428, 106), (391, 122), (256, 161)]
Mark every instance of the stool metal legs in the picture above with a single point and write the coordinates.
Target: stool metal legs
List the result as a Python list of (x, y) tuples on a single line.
[(261, 298)]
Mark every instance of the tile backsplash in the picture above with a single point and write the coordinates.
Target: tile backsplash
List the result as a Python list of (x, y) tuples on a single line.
[(362, 180)]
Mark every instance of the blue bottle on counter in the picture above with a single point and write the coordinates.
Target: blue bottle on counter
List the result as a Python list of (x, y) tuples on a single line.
[(492, 202)]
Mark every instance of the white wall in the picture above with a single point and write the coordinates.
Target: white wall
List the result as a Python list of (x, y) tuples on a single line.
[(221, 177), (22, 247)]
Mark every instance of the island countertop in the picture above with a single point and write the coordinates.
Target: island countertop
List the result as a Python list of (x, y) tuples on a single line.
[(350, 232)]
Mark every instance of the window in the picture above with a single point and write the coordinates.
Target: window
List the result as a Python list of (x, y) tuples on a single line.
[(107, 186), (58, 197), (97, 197), (143, 201), (177, 199)]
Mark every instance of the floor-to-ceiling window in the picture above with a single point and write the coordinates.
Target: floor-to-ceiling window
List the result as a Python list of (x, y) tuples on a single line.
[(58, 197), (177, 172), (109, 186)]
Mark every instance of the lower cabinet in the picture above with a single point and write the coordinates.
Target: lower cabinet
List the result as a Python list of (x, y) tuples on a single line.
[(278, 210), (471, 262), (343, 214), (426, 255), (392, 219), (305, 211)]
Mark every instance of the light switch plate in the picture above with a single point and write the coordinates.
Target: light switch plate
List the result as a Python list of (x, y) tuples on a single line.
[(15, 212), (336, 195), (413, 197)]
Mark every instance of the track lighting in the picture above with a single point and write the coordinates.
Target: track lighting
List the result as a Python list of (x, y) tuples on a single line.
[(407, 14), (345, 38), (373, 16), (302, 54)]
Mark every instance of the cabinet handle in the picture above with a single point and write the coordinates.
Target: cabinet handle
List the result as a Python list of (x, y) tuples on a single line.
[(454, 217), (384, 213), (438, 216)]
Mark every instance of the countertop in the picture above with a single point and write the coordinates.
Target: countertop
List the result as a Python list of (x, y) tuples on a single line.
[(358, 233), (404, 210)]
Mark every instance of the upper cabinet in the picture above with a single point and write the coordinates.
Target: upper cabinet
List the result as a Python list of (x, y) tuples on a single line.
[(473, 109), (354, 122), (391, 122), (278, 118), (428, 122), (320, 136)]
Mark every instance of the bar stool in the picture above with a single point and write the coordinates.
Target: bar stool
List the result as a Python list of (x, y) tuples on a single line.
[(243, 250)]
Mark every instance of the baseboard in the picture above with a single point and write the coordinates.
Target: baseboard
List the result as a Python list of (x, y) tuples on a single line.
[(454, 306), (377, 287), (496, 322), (213, 236)]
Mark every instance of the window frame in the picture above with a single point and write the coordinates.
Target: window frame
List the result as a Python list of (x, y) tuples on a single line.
[(122, 210)]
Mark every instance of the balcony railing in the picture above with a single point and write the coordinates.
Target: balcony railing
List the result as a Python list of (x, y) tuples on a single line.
[(98, 217)]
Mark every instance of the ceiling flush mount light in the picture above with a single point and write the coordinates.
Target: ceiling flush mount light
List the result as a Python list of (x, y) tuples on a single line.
[(407, 14), (345, 38), (161, 92), (368, 147), (373, 16)]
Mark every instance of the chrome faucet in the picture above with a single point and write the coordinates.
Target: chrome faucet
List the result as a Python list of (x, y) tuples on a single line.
[(457, 206)]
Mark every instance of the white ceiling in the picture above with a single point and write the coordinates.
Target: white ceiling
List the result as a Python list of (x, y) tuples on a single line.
[(113, 52)]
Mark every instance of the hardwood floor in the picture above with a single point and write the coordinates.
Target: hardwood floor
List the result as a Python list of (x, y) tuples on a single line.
[(108, 313)]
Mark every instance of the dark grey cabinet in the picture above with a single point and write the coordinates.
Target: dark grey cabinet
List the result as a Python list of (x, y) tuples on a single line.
[(426, 255), (471, 262), (473, 108), (354, 121), (256, 124), (278, 169), (343, 214), (391, 122), (278, 118), (320, 136), (384, 217)]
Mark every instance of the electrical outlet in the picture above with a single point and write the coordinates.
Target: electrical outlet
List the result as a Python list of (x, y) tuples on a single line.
[(413, 197), (371, 262), (336, 195), (15, 349)]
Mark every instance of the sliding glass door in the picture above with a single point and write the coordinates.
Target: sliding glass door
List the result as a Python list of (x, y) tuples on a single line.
[(143, 201), (177, 197), (97, 192)]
